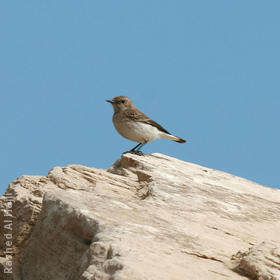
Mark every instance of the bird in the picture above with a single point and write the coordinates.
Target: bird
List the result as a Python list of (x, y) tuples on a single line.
[(134, 125)]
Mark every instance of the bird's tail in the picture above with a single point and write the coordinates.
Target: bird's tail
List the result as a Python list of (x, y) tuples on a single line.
[(180, 140), (172, 137)]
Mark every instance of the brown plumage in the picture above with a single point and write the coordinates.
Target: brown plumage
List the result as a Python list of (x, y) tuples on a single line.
[(133, 124)]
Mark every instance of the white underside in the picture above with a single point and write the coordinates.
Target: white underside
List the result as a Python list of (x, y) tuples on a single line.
[(141, 132)]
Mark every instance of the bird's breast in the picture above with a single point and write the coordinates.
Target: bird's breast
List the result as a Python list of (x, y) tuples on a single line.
[(135, 131)]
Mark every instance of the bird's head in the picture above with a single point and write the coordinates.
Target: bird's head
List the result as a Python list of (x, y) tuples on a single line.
[(121, 103)]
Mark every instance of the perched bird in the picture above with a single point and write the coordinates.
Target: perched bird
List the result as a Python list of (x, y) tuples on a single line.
[(134, 125)]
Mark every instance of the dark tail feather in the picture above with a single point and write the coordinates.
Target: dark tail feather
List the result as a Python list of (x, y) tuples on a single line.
[(180, 140)]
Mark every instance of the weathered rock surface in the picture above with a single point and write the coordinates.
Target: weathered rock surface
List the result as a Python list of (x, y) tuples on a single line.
[(151, 217), (259, 262)]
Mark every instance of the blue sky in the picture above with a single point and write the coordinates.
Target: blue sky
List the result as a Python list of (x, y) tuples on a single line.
[(207, 71)]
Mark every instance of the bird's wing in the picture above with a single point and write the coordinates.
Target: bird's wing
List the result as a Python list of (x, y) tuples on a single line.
[(138, 116)]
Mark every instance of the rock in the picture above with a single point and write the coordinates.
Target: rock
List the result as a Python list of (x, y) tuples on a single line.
[(259, 262), (151, 217)]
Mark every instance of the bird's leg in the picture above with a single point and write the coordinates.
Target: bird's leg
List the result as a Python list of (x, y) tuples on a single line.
[(140, 147), (136, 149)]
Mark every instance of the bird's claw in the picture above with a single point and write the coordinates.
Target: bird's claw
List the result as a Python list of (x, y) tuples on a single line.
[(139, 153)]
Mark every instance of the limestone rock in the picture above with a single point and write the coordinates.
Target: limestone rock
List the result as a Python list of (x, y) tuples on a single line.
[(151, 217), (260, 262)]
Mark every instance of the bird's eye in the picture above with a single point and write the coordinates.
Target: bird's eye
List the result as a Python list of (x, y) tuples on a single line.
[(122, 101)]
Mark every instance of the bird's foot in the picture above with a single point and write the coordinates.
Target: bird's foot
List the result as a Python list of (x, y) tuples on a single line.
[(139, 153)]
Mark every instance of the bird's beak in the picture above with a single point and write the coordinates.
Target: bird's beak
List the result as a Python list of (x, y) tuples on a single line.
[(110, 101)]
